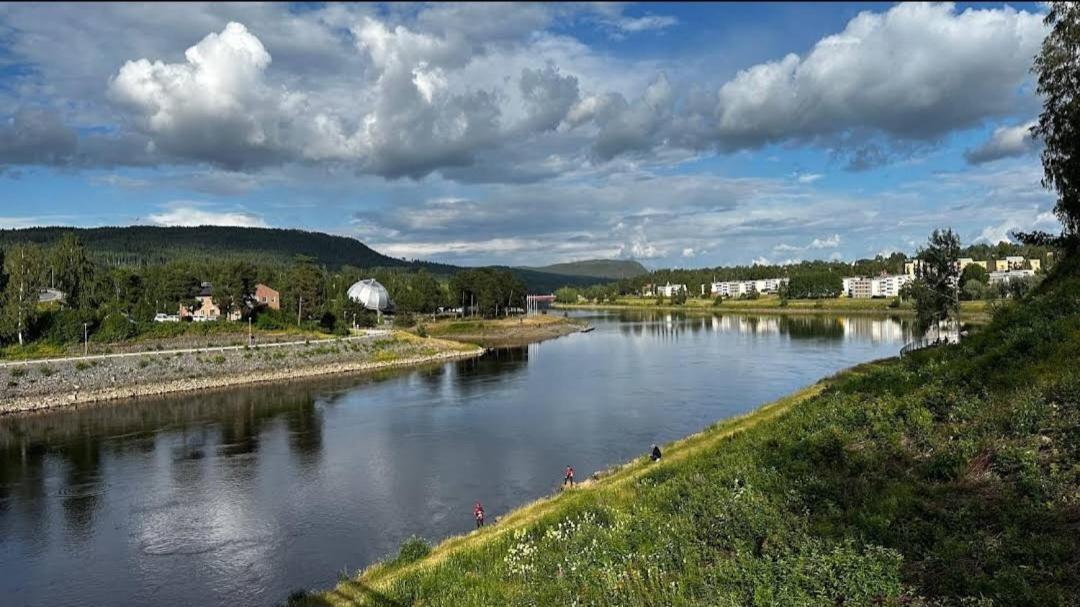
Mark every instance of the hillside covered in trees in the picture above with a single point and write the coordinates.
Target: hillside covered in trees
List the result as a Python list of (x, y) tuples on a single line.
[(597, 268), (140, 246)]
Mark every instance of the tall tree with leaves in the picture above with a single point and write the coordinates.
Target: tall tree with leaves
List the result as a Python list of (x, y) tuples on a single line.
[(23, 267), (71, 270), (1058, 70), (936, 283)]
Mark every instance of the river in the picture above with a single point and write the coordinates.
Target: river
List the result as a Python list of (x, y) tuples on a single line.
[(239, 497)]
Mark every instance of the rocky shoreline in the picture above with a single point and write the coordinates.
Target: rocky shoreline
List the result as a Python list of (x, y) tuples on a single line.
[(38, 386)]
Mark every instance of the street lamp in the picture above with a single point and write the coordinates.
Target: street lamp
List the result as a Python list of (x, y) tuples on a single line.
[(86, 339)]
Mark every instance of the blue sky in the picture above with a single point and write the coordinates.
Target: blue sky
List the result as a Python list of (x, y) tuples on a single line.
[(677, 134)]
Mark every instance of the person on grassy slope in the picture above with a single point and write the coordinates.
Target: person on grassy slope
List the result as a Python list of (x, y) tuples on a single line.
[(655, 456), (569, 477), (478, 514)]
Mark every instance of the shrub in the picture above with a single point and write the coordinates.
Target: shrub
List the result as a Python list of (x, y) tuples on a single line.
[(45, 370), (421, 330), (412, 549), (18, 372), (82, 365), (115, 327)]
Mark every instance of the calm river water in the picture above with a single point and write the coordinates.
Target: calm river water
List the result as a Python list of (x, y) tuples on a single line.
[(240, 497)]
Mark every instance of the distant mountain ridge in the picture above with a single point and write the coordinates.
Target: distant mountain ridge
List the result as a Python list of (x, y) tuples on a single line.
[(613, 269), (148, 245)]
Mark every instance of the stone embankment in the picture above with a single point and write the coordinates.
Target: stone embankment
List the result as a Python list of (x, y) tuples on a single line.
[(33, 386)]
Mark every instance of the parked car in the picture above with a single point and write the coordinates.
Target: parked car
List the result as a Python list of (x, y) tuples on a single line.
[(163, 317)]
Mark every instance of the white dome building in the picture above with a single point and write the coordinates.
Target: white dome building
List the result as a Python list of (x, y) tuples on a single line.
[(372, 295)]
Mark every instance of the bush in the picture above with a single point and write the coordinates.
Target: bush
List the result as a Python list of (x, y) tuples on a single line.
[(115, 327), (63, 327), (270, 320), (404, 319), (421, 330), (412, 549)]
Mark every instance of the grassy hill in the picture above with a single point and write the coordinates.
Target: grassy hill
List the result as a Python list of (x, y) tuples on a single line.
[(950, 477), (597, 268), (148, 245)]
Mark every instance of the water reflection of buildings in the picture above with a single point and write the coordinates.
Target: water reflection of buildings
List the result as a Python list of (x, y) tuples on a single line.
[(671, 325)]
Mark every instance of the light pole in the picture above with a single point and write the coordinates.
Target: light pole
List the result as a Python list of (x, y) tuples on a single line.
[(251, 338), (86, 340)]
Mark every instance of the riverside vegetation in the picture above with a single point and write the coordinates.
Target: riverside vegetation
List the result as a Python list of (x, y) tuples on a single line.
[(949, 477)]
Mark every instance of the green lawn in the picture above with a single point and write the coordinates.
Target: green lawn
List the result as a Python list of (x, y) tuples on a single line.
[(951, 477)]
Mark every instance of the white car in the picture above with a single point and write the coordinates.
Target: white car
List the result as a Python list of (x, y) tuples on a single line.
[(163, 317)]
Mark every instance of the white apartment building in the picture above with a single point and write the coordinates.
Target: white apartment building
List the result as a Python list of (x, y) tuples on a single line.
[(735, 288), (669, 289), (876, 286), (1006, 276)]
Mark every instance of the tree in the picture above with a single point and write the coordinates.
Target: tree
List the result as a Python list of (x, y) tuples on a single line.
[(935, 286), (71, 270), (23, 268), (234, 285), (1058, 70), (566, 295), (973, 290), (975, 272), (304, 293)]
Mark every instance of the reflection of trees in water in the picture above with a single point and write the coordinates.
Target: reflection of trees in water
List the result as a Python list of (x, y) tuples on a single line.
[(226, 423), (305, 425), (812, 327), (83, 484)]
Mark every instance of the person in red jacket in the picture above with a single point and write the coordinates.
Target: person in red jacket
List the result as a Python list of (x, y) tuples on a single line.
[(478, 513), (569, 477)]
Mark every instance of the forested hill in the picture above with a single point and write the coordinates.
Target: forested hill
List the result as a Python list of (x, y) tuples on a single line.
[(597, 268), (151, 245)]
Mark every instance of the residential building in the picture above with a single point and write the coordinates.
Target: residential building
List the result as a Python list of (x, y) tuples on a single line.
[(1006, 276), (1012, 262), (206, 309), (912, 267), (1035, 265), (735, 288), (265, 296), (847, 284), (669, 289), (877, 286), (964, 262)]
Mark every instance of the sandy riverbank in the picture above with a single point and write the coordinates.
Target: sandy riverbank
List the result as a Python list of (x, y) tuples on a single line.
[(506, 332), (36, 386)]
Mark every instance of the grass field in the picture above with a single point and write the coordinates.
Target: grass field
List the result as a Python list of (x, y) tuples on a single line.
[(951, 477)]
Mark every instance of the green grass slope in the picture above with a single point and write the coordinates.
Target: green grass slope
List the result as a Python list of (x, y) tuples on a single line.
[(597, 268), (951, 477)]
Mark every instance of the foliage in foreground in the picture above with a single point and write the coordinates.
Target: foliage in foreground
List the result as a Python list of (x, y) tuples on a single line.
[(951, 477)]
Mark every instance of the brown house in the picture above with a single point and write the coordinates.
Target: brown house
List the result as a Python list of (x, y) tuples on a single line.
[(265, 296)]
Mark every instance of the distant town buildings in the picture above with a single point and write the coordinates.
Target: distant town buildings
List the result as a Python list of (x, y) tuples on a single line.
[(206, 310), (737, 288)]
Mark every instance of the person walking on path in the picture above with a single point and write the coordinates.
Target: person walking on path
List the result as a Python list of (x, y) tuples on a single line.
[(655, 456), (569, 477), (478, 513)]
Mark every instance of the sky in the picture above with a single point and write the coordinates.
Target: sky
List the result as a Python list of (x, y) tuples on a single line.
[(680, 135)]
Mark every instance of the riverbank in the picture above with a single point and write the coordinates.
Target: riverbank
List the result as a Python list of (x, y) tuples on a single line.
[(505, 332), (978, 311), (949, 477), (40, 385)]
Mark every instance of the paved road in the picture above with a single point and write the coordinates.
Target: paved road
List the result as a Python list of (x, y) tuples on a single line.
[(369, 333)]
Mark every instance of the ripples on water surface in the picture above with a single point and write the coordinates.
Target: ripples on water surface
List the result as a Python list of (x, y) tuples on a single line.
[(239, 497)]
